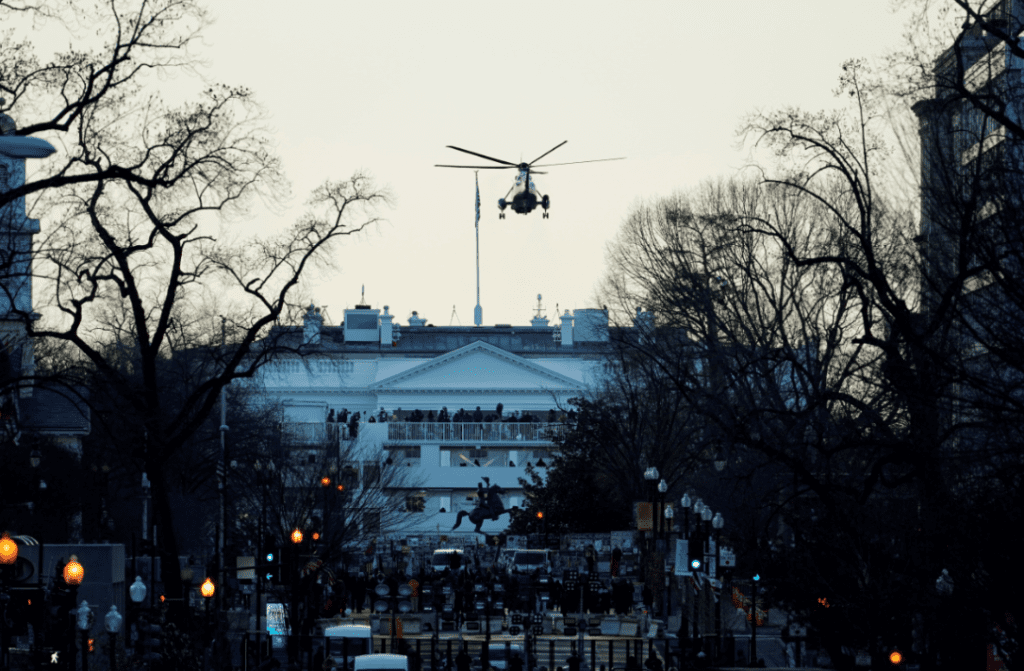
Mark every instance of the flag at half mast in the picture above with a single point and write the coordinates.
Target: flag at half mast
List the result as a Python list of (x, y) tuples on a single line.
[(478, 199)]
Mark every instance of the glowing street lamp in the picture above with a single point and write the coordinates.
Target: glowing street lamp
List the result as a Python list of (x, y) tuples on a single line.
[(207, 589), (296, 536), (8, 550), (74, 572)]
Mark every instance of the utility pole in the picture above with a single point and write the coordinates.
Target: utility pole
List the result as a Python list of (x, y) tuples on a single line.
[(221, 482)]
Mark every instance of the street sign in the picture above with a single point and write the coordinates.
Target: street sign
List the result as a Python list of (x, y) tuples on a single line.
[(245, 568)]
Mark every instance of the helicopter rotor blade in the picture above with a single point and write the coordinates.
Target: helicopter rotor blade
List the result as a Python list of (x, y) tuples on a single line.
[(546, 153), (476, 167), (489, 158), (596, 160)]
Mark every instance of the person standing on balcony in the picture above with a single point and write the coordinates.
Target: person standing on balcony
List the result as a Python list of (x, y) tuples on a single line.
[(353, 425), (478, 416), (330, 416)]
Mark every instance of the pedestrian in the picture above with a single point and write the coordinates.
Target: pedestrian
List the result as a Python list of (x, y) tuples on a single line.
[(574, 659), (463, 660), (653, 662), (616, 561), (590, 554), (359, 593), (478, 415)]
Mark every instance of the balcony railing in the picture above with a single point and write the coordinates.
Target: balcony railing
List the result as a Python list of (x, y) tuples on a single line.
[(474, 432), (313, 433)]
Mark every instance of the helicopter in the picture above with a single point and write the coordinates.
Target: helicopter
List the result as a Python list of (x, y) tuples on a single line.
[(526, 196)]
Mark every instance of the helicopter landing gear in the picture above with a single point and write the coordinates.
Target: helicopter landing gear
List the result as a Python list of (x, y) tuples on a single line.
[(501, 215), (545, 216)]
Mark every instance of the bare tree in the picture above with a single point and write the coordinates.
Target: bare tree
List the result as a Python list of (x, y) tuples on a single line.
[(922, 316), (133, 257)]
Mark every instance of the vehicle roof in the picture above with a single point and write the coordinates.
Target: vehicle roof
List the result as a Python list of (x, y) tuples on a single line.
[(448, 550), (348, 630), (381, 661)]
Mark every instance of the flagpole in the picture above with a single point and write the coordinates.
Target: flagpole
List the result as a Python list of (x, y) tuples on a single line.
[(478, 312)]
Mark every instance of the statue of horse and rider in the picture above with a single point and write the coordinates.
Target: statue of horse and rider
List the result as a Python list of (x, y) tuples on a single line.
[(489, 506)]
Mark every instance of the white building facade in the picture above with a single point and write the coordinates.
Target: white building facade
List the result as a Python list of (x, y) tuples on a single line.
[(377, 368)]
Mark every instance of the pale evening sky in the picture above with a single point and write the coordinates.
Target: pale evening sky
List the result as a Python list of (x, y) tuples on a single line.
[(384, 86)]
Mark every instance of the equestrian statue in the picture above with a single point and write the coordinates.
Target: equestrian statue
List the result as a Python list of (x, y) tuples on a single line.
[(489, 506)]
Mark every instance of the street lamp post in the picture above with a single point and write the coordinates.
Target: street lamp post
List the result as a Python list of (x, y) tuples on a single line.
[(112, 623), (717, 522), (294, 651), (137, 593), (85, 619), (662, 489), (74, 573), (753, 618), (651, 476), (207, 589), (669, 514), (8, 556)]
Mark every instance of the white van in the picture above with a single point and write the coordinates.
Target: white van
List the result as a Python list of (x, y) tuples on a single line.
[(381, 662), (445, 558), (528, 561), (345, 642)]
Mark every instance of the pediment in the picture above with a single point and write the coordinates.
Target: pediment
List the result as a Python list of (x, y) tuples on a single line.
[(477, 366)]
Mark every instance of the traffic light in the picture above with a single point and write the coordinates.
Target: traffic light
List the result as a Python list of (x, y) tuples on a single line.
[(272, 568), (695, 554)]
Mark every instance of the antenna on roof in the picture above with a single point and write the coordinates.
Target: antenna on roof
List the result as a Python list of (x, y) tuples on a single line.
[(539, 307), (454, 317), (362, 299)]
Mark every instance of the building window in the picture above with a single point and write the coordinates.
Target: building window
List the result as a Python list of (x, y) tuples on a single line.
[(415, 503), (371, 522), (412, 452), (446, 504), (371, 474)]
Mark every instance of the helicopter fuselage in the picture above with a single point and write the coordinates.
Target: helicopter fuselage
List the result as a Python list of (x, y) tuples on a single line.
[(525, 195)]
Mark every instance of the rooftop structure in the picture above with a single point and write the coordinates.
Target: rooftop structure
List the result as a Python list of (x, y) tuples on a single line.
[(408, 377)]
